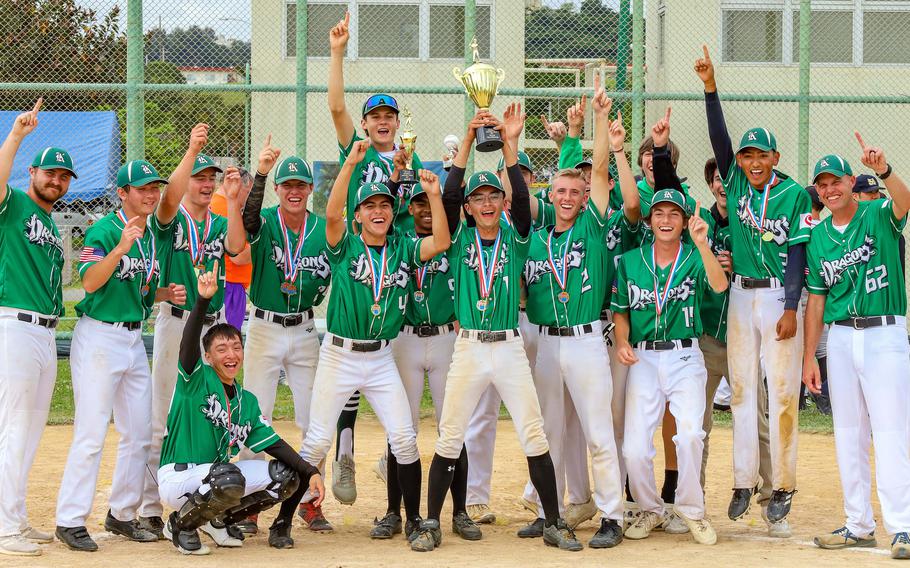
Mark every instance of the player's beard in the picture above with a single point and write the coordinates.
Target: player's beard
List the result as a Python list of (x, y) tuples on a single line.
[(48, 193)]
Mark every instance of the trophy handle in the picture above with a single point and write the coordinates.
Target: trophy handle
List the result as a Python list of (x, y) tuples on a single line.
[(500, 75), (457, 73)]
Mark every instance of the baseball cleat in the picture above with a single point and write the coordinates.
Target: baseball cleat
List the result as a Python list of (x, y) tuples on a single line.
[(427, 537), (528, 505), (463, 526), (577, 513), (344, 486), (844, 538), (186, 542), (675, 525), (314, 518), (701, 529), (249, 525), (18, 545), (76, 538), (740, 503), (630, 514), (129, 529), (154, 525), (280, 535), (561, 536), (387, 527), (381, 467), (482, 515), (646, 522), (608, 535), (534, 529), (779, 505), (780, 529), (220, 534), (900, 546), (34, 535)]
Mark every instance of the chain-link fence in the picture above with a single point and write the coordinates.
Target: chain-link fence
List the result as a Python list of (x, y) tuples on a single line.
[(255, 67)]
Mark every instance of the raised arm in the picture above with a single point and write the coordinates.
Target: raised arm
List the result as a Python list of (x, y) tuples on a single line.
[(698, 230), (556, 131), (717, 127), (442, 238), (338, 42), (180, 177), (190, 353), (570, 151), (334, 209), (512, 125), (236, 234), (874, 159), (453, 195), (600, 170), (664, 173), (267, 158), (24, 125), (631, 200)]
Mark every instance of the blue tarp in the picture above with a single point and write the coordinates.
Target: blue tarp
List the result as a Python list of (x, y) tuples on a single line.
[(91, 138)]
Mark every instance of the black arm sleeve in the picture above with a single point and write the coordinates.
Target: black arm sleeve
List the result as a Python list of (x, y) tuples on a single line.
[(521, 201), (717, 132), (794, 276), (452, 197), (664, 173), (189, 344), (252, 222), (282, 451)]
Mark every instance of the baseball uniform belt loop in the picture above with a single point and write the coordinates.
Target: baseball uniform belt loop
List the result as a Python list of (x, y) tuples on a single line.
[(522, 309), (747, 283), (49, 323), (572, 331), (489, 336), (284, 320), (359, 346), (181, 314), (665, 345), (867, 322), (427, 330)]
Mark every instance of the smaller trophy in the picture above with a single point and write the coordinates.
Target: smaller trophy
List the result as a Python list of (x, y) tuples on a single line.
[(408, 142), (481, 82)]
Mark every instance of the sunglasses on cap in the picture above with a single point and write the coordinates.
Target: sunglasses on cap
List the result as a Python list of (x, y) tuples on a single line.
[(379, 100)]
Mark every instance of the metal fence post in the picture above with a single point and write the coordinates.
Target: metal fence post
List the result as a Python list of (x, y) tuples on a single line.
[(638, 70), (135, 75), (622, 50), (802, 168), (301, 37), (470, 30), (246, 120)]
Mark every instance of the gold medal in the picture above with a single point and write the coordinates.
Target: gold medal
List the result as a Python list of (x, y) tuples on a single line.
[(288, 288), (767, 236), (376, 309), (563, 297), (482, 305), (419, 296)]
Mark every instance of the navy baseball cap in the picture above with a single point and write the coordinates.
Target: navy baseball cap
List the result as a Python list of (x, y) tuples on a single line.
[(866, 184), (813, 195), (379, 100)]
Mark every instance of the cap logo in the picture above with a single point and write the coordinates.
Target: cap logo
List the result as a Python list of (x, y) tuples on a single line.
[(824, 163), (59, 157), (292, 167), (668, 195), (752, 136), (146, 170), (482, 178), (374, 187), (200, 160), (871, 181)]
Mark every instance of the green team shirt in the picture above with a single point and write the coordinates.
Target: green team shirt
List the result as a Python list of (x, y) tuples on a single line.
[(270, 261), (433, 303), (176, 262), (376, 167), (350, 311), (714, 306), (203, 426), (120, 299), (860, 269), (31, 256), (635, 294), (501, 311), (788, 219)]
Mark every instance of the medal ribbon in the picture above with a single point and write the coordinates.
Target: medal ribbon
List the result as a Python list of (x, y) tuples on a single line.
[(506, 217), (421, 275), (197, 247), (759, 223), (290, 268), (148, 262), (486, 274), (377, 280), (660, 299), (561, 278)]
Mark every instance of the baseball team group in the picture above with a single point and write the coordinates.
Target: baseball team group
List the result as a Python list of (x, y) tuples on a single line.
[(599, 310)]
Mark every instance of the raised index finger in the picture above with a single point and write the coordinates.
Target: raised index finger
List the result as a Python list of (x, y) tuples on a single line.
[(38, 104), (347, 18), (667, 116), (859, 139), (704, 49)]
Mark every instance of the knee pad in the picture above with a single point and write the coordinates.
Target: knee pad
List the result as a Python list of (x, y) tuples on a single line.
[(227, 485), (285, 482)]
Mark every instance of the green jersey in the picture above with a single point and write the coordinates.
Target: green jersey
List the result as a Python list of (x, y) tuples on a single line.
[(566, 272), (786, 221), (677, 287), (129, 293), (487, 277), (859, 269), (431, 299), (281, 284), (714, 306), (179, 241), (204, 426), (621, 236), (31, 256), (370, 289)]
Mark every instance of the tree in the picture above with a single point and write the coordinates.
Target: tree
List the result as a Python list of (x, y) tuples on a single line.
[(196, 47), (564, 33)]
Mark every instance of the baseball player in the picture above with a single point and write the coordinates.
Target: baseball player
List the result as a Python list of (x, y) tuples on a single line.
[(487, 261), (189, 239), (366, 311), (291, 274), (210, 419), (768, 236), (31, 303), (857, 286), (656, 309), (119, 267)]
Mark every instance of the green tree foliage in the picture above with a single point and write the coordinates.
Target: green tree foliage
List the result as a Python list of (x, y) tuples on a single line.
[(196, 47), (568, 33)]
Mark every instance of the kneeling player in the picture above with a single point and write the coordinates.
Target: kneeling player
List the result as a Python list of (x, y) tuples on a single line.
[(210, 419), (656, 308)]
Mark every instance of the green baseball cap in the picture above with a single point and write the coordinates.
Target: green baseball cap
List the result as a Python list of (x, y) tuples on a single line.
[(671, 196), (523, 161), (204, 162), (415, 191), (832, 164), (293, 167), (368, 190), (138, 173), (760, 138), (52, 158), (483, 179)]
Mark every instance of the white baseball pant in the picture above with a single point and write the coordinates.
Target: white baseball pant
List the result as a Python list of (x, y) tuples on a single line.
[(620, 375), (677, 376), (417, 357), (575, 457), (751, 346), (570, 374), (342, 371), (869, 385), (165, 353), (174, 486), (28, 370), (110, 373)]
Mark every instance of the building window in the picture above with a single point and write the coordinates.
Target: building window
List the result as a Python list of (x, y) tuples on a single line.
[(661, 35), (320, 19), (752, 36), (447, 31), (389, 30), (830, 36), (885, 37)]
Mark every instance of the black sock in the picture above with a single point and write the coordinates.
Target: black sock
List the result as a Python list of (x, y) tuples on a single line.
[(668, 493), (459, 485), (346, 421), (392, 485), (442, 471), (543, 477), (289, 505), (629, 492), (409, 479)]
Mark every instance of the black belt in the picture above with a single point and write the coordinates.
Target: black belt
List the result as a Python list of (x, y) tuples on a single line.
[(566, 331), (181, 467), (427, 330), (49, 323), (285, 321), (178, 313), (490, 336), (752, 283), (867, 322), (360, 346), (127, 325), (522, 309), (665, 345)]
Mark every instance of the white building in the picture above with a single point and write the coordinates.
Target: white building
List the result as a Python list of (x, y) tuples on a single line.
[(208, 75)]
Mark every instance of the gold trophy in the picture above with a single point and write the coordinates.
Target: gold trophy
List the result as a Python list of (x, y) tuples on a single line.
[(481, 81), (408, 142)]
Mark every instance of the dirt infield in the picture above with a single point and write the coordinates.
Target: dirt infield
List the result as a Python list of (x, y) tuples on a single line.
[(817, 507)]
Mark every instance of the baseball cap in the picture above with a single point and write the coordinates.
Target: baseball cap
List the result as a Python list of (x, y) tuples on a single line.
[(293, 167), (523, 161), (483, 179), (670, 196), (379, 100), (138, 173), (415, 191), (866, 184), (204, 162), (583, 163), (813, 195), (52, 158), (832, 164), (760, 138), (368, 190)]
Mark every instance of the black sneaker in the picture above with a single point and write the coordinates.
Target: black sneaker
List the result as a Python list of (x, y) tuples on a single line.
[(280, 535), (187, 542), (463, 526), (779, 505), (387, 527), (410, 527), (534, 529), (740, 503), (427, 537), (76, 538), (561, 536), (129, 529), (154, 525), (608, 536)]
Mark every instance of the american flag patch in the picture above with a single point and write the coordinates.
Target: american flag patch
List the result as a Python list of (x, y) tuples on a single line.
[(91, 254)]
